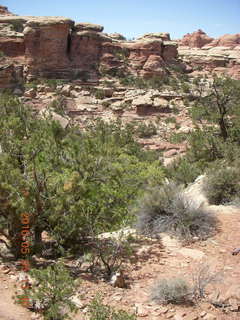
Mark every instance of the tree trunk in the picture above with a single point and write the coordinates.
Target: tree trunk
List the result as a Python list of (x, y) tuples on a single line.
[(223, 129), (37, 246)]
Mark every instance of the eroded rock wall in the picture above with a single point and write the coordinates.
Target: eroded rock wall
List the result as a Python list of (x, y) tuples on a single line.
[(56, 47)]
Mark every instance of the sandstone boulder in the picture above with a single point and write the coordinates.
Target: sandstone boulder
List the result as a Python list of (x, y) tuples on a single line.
[(145, 57), (154, 64), (228, 299), (170, 52), (85, 26), (10, 76), (165, 36), (116, 36)]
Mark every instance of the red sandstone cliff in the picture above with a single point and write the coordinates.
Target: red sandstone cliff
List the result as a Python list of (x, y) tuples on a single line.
[(56, 47)]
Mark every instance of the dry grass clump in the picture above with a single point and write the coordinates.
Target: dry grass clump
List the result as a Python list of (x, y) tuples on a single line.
[(168, 209), (222, 185), (174, 290)]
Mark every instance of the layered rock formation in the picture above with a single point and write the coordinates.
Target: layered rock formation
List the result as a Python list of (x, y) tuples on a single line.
[(56, 47), (220, 55), (197, 39)]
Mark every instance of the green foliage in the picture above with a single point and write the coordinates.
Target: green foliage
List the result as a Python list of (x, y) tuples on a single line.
[(218, 102), (98, 311), (58, 105), (52, 83), (101, 184), (98, 93), (170, 120), (205, 146), (107, 255), (17, 25), (32, 84), (183, 171), (178, 137), (151, 83), (72, 183), (51, 291), (122, 55), (167, 209), (146, 130), (174, 290), (222, 185), (2, 54)]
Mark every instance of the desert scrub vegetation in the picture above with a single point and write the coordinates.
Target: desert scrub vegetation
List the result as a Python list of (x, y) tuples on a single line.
[(106, 255), (178, 137), (146, 130), (201, 277), (51, 292), (167, 209), (97, 310), (170, 120), (183, 171), (182, 291), (174, 290), (222, 185), (73, 183), (140, 83)]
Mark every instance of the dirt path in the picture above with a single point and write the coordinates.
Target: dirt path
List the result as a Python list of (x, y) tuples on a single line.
[(9, 310), (154, 260)]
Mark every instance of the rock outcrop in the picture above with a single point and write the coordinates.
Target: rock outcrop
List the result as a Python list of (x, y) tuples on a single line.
[(4, 11), (47, 47), (221, 55), (197, 39), (165, 36), (57, 47), (228, 40), (10, 76)]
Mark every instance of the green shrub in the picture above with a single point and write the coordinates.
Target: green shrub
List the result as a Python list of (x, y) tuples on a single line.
[(205, 146), (183, 171), (17, 26), (141, 83), (58, 105), (32, 84), (51, 292), (107, 255), (98, 311), (174, 290), (52, 83), (170, 120), (99, 94), (167, 209), (178, 137), (2, 54), (222, 185), (85, 180), (146, 130)]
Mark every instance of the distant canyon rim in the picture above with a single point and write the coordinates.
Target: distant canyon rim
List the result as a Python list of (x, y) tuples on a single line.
[(59, 48)]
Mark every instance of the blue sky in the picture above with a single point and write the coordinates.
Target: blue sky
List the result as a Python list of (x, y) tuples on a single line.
[(133, 18)]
